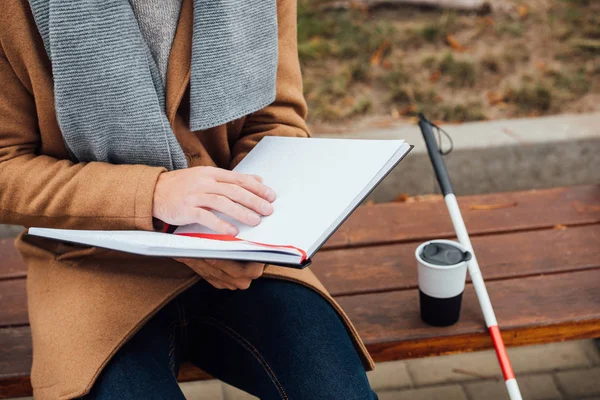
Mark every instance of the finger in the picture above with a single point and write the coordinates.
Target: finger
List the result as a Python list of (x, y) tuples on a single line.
[(243, 271), (233, 270), (210, 220), (230, 270), (258, 178), (226, 206), (254, 270), (216, 284), (220, 284), (242, 284), (245, 181), (211, 261), (241, 196)]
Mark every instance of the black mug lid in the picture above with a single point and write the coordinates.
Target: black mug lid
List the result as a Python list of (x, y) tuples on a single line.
[(444, 254)]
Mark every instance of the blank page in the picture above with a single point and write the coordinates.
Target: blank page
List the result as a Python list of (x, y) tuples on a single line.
[(316, 181)]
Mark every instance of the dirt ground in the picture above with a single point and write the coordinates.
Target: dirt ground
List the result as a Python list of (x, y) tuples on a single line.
[(529, 58)]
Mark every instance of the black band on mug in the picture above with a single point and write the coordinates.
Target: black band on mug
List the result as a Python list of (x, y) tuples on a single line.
[(440, 312)]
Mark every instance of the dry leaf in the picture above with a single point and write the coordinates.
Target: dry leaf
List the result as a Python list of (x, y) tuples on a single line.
[(424, 197), (435, 76), (580, 207), (349, 101), (455, 44), (494, 97), (377, 57), (560, 227), (359, 6), (492, 206), (387, 65), (523, 11), (383, 122), (402, 198), (395, 113), (411, 109), (540, 65)]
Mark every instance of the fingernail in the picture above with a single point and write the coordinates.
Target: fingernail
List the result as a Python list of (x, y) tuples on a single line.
[(266, 208), (271, 195), (253, 218), (232, 231)]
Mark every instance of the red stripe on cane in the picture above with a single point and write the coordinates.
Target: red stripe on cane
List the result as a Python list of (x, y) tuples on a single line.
[(229, 238), (507, 370)]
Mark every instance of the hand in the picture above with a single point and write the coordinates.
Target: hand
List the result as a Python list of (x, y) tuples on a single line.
[(186, 196), (227, 274)]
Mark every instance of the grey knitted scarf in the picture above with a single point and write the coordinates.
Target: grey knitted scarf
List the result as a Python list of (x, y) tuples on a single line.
[(109, 96)]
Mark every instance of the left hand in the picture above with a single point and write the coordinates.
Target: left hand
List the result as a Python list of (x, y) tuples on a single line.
[(225, 274)]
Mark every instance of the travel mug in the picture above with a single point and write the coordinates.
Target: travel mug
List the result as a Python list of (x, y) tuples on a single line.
[(442, 273)]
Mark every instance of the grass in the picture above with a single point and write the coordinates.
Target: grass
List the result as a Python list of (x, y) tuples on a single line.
[(459, 73), (400, 61), (576, 83), (531, 98)]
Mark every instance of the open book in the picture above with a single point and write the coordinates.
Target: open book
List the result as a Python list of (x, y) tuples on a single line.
[(318, 183)]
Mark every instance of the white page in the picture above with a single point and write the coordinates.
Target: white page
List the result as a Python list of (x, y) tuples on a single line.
[(145, 242), (315, 179)]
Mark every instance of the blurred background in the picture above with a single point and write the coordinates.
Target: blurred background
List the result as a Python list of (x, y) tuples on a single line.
[(458, 61)]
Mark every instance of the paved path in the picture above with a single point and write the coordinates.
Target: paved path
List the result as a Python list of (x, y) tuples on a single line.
[(568, 370)]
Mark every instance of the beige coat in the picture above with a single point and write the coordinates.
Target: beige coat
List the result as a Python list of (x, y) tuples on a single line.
[(84, 303)]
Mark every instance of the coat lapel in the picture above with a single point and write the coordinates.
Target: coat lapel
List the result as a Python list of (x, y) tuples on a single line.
[(179, 66)]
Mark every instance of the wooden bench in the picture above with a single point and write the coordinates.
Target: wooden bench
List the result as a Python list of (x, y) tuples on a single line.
[(539, 252)]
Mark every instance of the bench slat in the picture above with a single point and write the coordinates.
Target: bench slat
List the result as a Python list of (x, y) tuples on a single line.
[(535, 209), (13, 297), (11, 265), (530, 310), (403, 222), (393, 267)]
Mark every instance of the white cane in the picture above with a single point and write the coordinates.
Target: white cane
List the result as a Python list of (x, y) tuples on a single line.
[(473, 267)]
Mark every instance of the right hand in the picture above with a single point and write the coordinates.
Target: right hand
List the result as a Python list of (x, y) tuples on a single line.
[(186, 196)]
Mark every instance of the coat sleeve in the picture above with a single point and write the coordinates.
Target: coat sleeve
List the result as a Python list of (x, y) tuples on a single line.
[(38, 190), (286, 115)]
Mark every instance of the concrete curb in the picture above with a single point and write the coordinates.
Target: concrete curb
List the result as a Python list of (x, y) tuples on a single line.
[(497, 156)]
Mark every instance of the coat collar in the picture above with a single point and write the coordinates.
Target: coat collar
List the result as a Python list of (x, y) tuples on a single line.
[(179, 66)]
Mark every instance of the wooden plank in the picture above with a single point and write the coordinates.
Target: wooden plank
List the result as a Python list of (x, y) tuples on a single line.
[(18, 386), (529, 310), (13, 297), (393, 267), (404, 222), (535, 209), (15, 355), (11, 265)]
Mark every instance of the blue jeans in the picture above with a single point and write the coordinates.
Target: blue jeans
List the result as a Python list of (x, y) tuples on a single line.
[(275, 340)]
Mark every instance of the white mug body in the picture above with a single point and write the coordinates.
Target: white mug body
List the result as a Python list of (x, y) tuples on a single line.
[(440, 287)]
